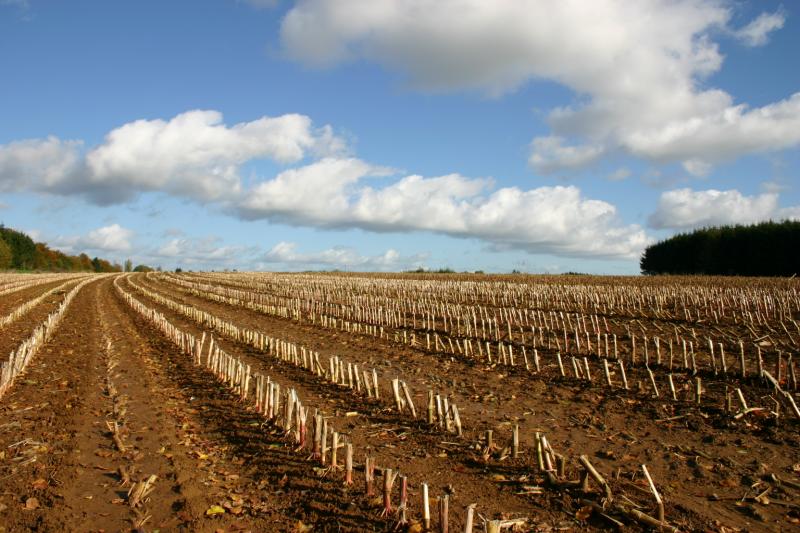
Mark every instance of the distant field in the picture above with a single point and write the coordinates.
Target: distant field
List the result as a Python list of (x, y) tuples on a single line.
[(283, 402)]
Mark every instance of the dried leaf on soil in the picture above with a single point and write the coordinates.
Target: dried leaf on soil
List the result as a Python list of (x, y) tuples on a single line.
[(584, 513), (214, 510)]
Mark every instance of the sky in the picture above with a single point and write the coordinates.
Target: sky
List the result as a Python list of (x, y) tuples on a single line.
[(542, 136)]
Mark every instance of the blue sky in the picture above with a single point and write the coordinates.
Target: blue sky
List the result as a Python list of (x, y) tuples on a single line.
[(540, 136)]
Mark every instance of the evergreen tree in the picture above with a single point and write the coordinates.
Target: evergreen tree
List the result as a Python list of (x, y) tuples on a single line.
[(23, 249), (764, 249), (6, 257)]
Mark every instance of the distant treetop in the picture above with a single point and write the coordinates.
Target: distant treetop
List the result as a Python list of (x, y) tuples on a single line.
[(19, 252), (764, 249)]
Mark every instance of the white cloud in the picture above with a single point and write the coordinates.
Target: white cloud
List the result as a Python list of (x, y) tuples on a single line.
[(550, 154), (789, 213), (774, 186), (638, 68), (192, 155), (686, 209), (211, 253), (697, 167), (38, 164), (722, 135), (285, 253), (756, 33), (111, 238), (315, 193), (559, 220), (195, 156), (206, 252)]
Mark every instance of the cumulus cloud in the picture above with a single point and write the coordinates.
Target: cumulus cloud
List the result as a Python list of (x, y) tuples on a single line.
[(550, 154), (286, 254), (314, 193), (39, 164), (682, 209), (756, 33), (337, 193), (111, 238), (210, 252), (203, 252), (789, 213), (722, 136), (775, 186), (193, 154), (638, 68), (199, 253)]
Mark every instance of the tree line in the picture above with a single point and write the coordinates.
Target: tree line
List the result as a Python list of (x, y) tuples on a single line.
[(19, 252), (763, 249)]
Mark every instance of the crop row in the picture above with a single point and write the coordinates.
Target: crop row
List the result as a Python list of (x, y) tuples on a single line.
[(19, 359)]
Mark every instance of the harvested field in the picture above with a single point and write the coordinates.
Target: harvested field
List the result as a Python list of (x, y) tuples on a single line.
[(310, 402)]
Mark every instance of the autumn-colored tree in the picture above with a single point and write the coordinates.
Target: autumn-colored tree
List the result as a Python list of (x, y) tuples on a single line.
[(101, 265), (18, 251), (85, 262)]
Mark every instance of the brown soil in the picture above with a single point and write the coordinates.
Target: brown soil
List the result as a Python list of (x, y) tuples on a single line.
[(12, 334), (61, 470), (698, 456), (12, 300)]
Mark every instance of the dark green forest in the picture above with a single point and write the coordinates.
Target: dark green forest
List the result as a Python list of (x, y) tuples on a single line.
[(19, 252), (764, 249)]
